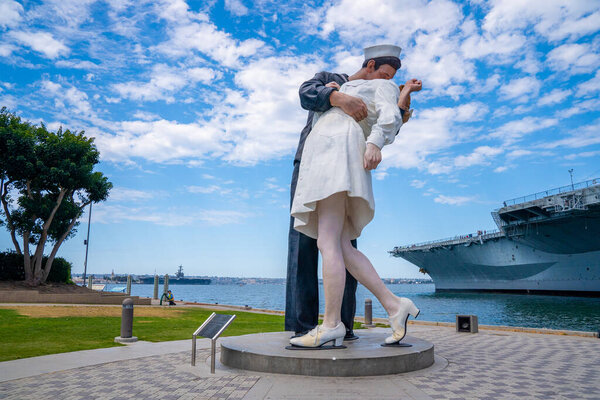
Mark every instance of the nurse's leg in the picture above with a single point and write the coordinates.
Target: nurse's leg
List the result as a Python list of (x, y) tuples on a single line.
[(361, 268), (332, 213)]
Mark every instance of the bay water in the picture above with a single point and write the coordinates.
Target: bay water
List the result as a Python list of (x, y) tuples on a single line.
[(534, 311)]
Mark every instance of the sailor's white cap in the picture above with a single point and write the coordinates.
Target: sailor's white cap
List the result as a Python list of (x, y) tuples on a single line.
[(382, 50)]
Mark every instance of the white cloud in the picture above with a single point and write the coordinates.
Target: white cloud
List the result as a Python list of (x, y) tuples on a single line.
[(584, 154), (574, 58), (530, 63), (111, 213), (67, 15), (431, 132), (500, 169), (491, 83), (236, 7), (469, 112), (76, 64), (584, 136), (8, 101), (126, 194), (552, 19), (520, 89), (263, 117), (347, 62), (555, 96), (42, 42), (417, 183), (579, 107), (161, 141), (204, 189), (146, 116), (453, 200), (590, 86), (69, 98), (518, 153), (165, 82), (10, 13), (6, 49), (480, 156), (427, 30), (514, 130), (476, 46), (436, 59), (364, 21), (188, 31)]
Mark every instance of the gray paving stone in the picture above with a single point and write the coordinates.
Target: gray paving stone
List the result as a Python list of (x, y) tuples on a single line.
[(486, 365)]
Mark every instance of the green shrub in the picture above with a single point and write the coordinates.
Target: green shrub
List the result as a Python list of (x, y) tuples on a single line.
[(61, 271), (11, 268)]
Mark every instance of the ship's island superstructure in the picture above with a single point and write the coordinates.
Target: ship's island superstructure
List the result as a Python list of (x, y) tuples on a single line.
[(547, 242)]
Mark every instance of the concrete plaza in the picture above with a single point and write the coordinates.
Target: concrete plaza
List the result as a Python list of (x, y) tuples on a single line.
[(488, 365)]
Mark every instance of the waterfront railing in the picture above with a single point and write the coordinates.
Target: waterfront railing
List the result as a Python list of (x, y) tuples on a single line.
[(552, 192), (459, 239)]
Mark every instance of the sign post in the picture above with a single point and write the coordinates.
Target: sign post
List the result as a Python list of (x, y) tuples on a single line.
[(212, 328)]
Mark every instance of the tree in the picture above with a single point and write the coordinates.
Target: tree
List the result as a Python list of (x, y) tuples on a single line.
[(47, 179)]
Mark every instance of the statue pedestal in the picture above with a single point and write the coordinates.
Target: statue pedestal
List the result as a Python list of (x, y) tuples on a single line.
[(265, 352)]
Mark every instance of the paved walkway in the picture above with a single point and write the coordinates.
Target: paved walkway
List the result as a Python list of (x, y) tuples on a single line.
[(487, 365)]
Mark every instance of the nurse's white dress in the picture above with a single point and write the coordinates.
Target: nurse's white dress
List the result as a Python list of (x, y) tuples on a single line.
[(332, 160)]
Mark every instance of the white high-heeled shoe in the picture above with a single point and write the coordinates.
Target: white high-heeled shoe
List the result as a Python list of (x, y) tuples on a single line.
[(398, 320), (320, 336)]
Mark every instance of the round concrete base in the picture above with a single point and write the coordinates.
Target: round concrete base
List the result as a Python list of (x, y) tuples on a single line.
[(265, 352), (120, 339)]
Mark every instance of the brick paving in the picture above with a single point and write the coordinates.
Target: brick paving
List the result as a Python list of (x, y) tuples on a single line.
[(509, 365), (487, 365), (157, 377)]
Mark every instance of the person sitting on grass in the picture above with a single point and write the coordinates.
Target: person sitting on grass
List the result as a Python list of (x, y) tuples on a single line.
[(170, 298)]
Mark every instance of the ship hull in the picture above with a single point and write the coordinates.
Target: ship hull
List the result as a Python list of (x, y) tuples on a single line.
[(175, 281), (506, 265)]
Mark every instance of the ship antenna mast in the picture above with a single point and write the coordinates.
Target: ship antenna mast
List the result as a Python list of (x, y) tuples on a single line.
[(571, 173)]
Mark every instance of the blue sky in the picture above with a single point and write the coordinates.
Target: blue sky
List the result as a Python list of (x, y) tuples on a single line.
[(195, 110)]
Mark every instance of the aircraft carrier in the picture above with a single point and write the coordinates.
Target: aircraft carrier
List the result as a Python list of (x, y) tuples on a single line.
[(547, 243)]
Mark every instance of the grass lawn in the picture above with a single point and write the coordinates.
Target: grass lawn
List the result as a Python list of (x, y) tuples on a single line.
[(81, 328), (29, 331)]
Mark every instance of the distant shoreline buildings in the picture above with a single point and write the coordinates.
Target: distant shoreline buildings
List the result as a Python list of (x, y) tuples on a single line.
[(221, 280)]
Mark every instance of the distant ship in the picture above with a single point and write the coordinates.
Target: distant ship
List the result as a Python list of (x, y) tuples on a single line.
[(547, 243), (176, 281), (179, 279)]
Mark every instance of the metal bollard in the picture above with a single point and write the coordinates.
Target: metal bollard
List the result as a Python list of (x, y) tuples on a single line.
[(128, 285), (90, 280), (166, 285), (369, 313), (126, 323), (155, 295), (127, 318)]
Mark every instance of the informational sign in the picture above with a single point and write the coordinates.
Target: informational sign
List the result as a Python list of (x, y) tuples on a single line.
[(212, 328)]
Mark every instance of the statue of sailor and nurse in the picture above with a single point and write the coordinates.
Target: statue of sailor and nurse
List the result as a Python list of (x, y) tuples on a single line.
[(350, 119)]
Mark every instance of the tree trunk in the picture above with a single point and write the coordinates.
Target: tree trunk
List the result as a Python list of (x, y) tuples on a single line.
[(27, 260), (38, 274), (26, 254), (11, 227), (57, 245)]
